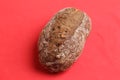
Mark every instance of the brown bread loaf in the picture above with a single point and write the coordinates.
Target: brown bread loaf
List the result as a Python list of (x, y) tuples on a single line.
[(63, 38)]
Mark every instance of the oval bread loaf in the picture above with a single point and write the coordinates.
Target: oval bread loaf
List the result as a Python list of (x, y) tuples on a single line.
[(63, 38)]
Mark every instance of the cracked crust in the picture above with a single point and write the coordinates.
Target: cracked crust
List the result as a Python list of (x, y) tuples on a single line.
[(63, 38)]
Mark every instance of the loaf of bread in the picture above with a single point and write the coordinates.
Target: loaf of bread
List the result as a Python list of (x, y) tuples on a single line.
[(63, 38)]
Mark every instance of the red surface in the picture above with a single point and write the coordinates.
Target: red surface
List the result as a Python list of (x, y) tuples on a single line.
[(21, 22)]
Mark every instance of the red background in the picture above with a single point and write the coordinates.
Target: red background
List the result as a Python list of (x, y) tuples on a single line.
[(21, 21)]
